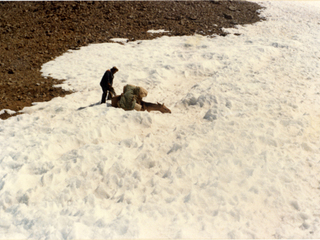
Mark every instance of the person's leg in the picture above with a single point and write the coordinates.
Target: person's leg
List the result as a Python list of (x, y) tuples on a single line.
[(109, 95), (104, 95), (137, 107)]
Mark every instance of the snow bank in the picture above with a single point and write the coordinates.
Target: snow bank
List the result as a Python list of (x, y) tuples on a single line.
[(237, 158)]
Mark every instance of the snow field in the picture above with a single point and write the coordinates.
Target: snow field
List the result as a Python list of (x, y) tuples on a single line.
[(237, 158)]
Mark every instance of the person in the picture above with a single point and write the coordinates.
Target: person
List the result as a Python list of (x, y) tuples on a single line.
[(131, 97), (106, 84)]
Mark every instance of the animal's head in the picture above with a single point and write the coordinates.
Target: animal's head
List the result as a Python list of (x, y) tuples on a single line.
[(163, 108)]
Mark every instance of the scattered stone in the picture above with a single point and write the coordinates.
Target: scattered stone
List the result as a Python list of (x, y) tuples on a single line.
[(193, 17), (227, 16)]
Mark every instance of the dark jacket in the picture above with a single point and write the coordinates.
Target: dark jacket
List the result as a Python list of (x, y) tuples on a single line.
[(107, 79)]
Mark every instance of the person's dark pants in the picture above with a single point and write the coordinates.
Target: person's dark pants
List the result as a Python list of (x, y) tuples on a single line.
[(107, 90)]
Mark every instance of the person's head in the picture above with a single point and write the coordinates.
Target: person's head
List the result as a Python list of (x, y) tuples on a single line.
[(114, 70)]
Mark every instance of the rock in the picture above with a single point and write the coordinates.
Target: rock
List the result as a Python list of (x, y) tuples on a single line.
[(227, 16), (193, 17)]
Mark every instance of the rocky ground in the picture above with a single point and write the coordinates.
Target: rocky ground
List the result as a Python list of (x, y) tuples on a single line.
[(32, 33)]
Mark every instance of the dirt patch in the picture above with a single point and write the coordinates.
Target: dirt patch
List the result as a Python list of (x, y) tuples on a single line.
[(33, 33)]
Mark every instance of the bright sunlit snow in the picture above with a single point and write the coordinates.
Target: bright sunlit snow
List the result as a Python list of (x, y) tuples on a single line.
[(237, 158)]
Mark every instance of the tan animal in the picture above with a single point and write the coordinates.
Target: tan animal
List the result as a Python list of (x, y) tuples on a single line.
[(154, 107), (145, 106)]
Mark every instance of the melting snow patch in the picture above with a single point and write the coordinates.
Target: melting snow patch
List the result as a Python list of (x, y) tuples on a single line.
[(7, 111), (119, 40), (157, 31)]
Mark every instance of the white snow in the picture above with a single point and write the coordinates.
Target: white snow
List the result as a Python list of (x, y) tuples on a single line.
[(119, 40), (237, 158), (157, 31), (7, 111)]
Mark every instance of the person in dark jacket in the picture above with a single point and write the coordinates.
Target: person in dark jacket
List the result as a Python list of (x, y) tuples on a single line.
[(106, 84)]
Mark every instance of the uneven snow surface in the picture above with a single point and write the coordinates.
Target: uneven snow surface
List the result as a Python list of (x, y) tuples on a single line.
[(237, 158)]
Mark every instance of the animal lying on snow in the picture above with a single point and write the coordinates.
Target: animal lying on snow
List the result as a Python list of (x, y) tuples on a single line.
[(131, 98)]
